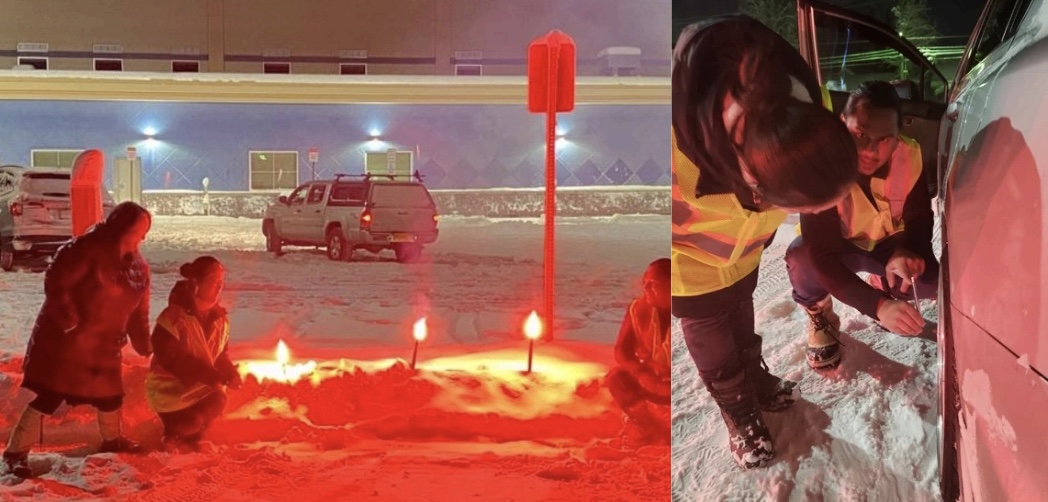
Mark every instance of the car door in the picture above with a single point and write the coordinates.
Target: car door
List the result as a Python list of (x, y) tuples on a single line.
[(292, 225), (992, 314), (846, 49), (313, 213)]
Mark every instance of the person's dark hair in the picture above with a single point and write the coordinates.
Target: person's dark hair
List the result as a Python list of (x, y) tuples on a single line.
[(123, 217), (660, 268), (799, 152), (877, 94), (199, 268)]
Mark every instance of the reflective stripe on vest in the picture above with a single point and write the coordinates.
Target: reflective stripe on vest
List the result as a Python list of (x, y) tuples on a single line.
[(716, 242), (865, 224)]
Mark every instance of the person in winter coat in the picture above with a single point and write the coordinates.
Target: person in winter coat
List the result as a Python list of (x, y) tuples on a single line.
[(752, 140), (190, 367), (883, 227), (96, 297), (642, 378)]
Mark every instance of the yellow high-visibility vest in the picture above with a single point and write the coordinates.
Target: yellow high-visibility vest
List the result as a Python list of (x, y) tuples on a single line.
[(867, 223), (164, 392), (716, 242)]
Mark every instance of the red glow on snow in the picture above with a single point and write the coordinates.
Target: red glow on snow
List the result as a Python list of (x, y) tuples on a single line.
[(533, 326)]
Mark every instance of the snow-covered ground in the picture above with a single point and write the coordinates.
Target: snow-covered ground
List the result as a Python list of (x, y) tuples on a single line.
[(864, 432), (469, 426)]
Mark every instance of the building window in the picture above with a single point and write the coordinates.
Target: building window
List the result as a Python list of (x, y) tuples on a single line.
[(469, 70), (109, 65), (389, 163), (353, 69), (273, 170), (277, 68), (62, 159), (185, 66), (38, 63)]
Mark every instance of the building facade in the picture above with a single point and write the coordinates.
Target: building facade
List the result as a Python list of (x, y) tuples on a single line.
[(417, 37)]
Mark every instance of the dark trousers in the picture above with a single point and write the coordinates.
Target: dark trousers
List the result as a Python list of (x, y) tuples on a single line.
[(627, 391), (807, 290), (719, 326), (48, 402), (192, 422)]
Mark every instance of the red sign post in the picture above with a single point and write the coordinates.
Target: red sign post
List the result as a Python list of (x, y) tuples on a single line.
[(551, 89), (85, 191)]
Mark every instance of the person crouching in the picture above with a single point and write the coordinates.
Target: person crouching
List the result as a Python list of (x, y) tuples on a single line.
[(190, 367)]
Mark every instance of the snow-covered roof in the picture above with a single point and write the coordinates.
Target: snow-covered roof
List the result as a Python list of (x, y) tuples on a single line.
[(319, 89)]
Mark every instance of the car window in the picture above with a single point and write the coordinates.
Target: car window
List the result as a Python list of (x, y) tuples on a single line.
[(400, 195), (347, 194), (998, 27), (298, 196), (851, 53), (316, 194), (6, 183)]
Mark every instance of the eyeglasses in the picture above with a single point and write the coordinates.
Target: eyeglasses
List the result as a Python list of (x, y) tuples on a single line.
[(863, 141)]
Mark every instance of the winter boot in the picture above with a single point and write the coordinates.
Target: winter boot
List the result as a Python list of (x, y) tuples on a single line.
[(642, 427), (25, 433), (773, 393), (112, 440), (824, 332), (748, 437)]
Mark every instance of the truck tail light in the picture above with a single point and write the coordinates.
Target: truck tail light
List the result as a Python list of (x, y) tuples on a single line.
[(365, 219), (16, 208)]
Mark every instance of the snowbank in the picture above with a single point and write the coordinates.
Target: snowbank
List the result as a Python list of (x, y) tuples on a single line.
[(494, 203)]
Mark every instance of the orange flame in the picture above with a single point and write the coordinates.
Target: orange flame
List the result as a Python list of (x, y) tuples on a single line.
[(283, 354), (420, 330), (281, 370), (533, 326)]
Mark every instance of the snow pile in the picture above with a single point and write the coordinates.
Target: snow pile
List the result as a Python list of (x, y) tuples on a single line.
[(866, 431), (469, 424)]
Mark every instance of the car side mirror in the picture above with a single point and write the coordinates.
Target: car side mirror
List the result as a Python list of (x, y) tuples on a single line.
[(282, 199)]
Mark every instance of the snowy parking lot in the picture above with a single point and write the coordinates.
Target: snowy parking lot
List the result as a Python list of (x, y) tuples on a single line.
[(469, 425)]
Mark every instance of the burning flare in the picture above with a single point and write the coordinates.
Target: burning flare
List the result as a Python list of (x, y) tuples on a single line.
[(420, 330), (533, 326), (283, 354), (281, 370)]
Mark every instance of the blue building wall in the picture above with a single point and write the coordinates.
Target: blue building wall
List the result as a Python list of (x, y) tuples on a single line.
[(459, 146)]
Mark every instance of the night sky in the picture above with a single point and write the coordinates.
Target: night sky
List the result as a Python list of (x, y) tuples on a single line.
[(953, 18)]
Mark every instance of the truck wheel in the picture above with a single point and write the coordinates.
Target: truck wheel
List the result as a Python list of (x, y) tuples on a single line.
[(408, 253), (337, 247), (274, 244), (7, 256)]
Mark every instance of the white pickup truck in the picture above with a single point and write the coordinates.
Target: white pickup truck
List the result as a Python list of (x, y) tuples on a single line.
[(369, 212)]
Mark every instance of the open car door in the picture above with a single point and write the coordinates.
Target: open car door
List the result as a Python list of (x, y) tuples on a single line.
[(846, 49)]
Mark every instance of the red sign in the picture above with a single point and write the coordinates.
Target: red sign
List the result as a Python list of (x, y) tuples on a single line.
[(85, 191), (551, 89), (551, 73), (314, 155)]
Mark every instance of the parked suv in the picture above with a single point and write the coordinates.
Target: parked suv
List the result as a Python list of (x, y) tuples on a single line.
[(368, 212), (983, 141), (35, 212)]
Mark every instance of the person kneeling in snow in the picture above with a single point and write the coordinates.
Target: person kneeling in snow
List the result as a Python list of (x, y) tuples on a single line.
[(883, 227), (642, 379), (190, 367)]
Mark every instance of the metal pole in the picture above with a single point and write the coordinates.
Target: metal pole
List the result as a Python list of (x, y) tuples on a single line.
[(551, 187)]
